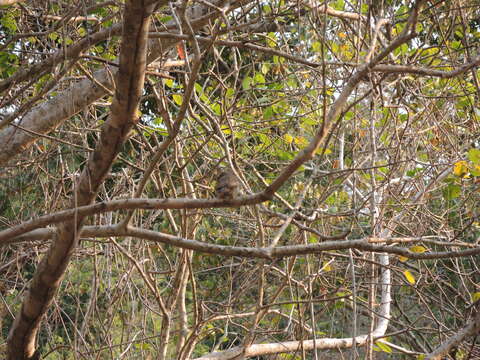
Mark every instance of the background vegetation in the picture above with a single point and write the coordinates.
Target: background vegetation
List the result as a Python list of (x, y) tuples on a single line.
[(352, 128)]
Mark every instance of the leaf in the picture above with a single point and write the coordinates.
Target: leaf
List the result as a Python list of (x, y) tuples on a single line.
[(383, 347), (168, 82), (476, 296), (216, 108), (230, 92), (226, 130), (8, 21), (316, 46), (403, 258), (326, 266), (410, 278), (452, 191), (247, 83), (419, 249), (338, 5), (321, 150), (166, 19), (259, 78), (265, 68), (401, 50), (271, 40), (302, 142), (178, 99), (288, 138), (475, 171), (53, 36), (460, 168), (474, 156), (268, 113)]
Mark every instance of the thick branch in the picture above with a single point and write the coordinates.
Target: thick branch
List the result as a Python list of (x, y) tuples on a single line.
[(47, 278)]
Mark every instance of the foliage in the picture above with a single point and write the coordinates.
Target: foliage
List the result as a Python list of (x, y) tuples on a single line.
[(400, 167)]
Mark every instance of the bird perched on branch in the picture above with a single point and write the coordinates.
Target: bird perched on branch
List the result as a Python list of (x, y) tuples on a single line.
[(228, 186)]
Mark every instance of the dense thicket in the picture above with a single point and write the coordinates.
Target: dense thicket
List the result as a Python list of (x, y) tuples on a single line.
[(349, 131)]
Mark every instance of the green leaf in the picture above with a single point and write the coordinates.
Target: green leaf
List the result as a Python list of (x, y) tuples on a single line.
[(452, 191), (474, 156), (7, 20), (53, 36), (230, 92), (338, 5), (292, 82), (316, 46), (166, 19), (216, 108), (268, 113), (265, 68), (259, 78), (475, 171), (401, 50), (247, 83), (198, 88), (271, 40)]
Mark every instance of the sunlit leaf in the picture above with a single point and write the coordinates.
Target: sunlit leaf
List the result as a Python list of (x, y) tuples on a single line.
[(419, 249), (409, 276), (384, 347), (259, 79), (327, 266), (288, 138), (460, 168), (178, 99)]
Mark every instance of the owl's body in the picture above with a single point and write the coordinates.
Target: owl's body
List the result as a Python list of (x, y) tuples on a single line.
[(227, 185)]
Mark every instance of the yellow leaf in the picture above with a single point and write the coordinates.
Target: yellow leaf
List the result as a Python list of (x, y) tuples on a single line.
[(300, 140), (288, 138), (323, 150), (476, 296), (410, 278), (403, 258), (178, 99), (226, 130), (417, 249), (326, 266), (384, 347), (460, 168)]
